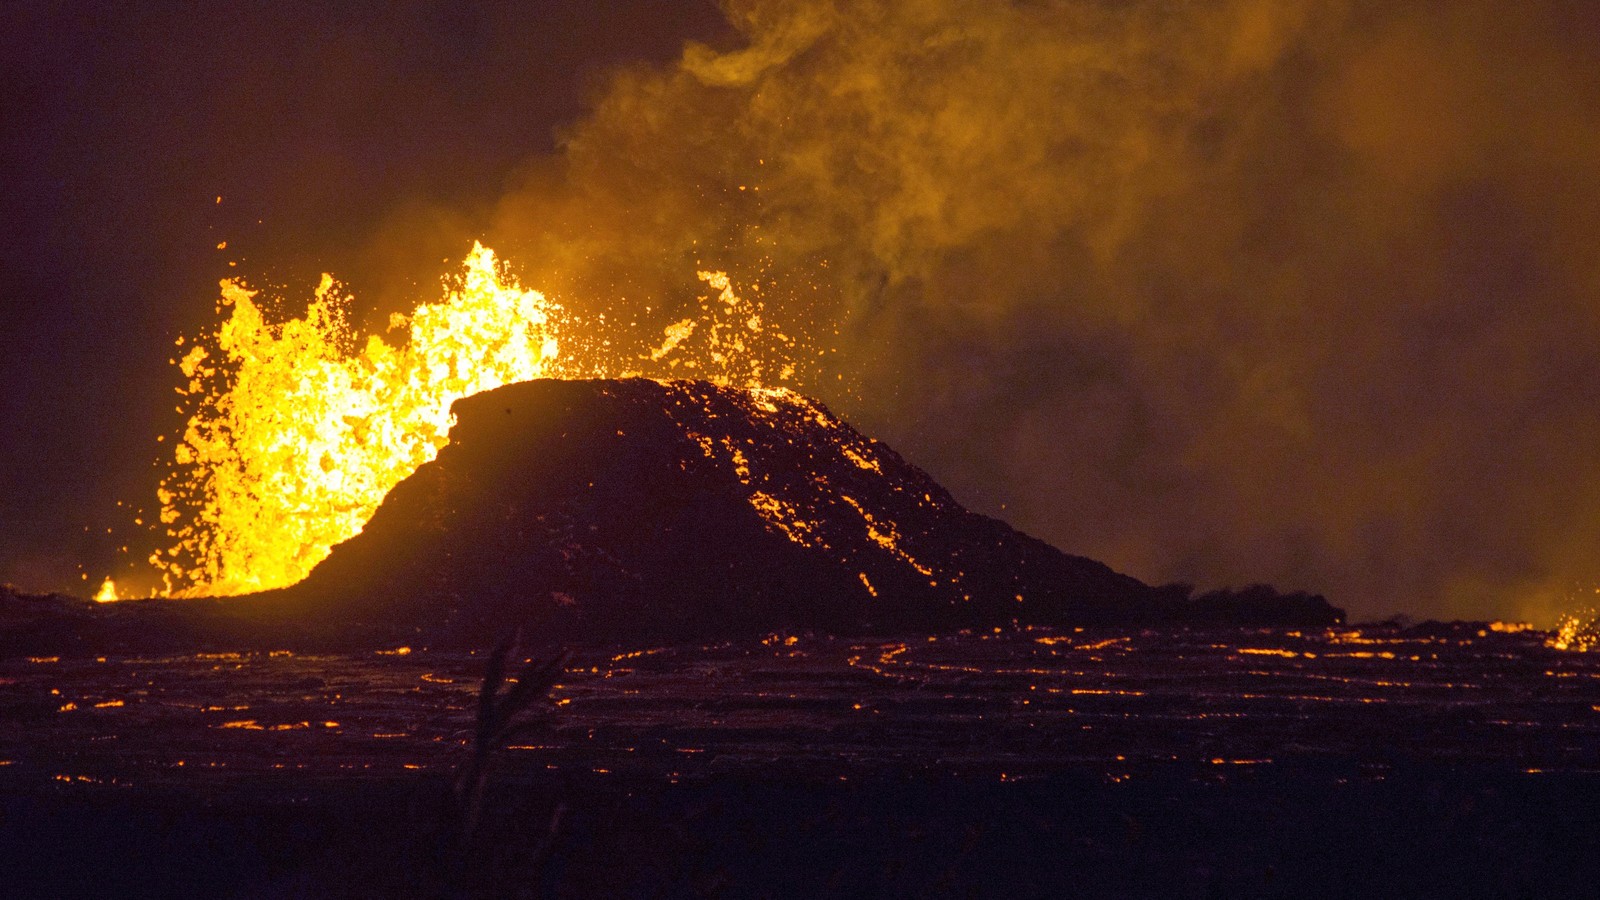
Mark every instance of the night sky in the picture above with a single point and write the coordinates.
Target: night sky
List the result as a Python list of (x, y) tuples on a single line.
[(1223, 292)]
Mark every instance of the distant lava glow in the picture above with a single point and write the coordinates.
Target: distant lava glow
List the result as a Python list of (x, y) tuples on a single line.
[(1579, 632), (1578, 629), (297, 429)]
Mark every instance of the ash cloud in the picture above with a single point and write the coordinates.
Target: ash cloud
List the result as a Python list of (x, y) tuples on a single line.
[(1241, 290)]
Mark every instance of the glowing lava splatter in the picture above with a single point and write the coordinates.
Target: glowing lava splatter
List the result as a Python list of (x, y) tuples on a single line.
[(1577, 631), (297, 430)]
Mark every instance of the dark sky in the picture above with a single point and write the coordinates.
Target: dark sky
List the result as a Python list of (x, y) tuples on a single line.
[(1304, 291)]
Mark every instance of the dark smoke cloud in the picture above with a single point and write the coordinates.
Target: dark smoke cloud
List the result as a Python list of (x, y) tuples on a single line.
[(1226, 291)]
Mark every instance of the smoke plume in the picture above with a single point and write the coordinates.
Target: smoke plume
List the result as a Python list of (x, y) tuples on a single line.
[(1219, 291)]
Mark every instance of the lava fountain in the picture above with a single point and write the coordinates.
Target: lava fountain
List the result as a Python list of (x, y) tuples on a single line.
[(297, 429)]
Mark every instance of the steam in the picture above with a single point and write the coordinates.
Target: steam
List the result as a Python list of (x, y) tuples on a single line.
[(1224, 291)]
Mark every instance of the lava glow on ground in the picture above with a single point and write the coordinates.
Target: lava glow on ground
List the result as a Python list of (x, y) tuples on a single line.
[(1453, 761), (1009, 704)]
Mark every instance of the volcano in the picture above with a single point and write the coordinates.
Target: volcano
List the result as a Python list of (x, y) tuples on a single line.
[(609, 509), (612, 506)]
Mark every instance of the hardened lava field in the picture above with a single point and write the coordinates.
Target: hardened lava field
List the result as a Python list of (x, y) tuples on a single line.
[(1009, 704), (1454, 761)]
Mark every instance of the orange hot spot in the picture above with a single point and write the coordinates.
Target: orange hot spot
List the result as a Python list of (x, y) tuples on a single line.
[(107, 592), (1578, 632)]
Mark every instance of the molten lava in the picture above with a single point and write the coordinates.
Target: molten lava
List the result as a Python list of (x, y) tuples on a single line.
[(297, 429), (1578, 631)]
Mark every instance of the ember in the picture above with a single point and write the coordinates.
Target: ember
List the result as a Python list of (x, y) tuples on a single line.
[(1578, 632)]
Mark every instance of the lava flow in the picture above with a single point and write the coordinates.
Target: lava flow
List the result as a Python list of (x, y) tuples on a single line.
[(297, 429)]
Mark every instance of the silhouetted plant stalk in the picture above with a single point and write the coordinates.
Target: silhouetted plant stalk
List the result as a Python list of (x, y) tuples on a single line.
[(496, 723)]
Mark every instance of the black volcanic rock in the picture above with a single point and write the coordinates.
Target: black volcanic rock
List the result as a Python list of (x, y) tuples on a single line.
[(612, 509), (606, 507)]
